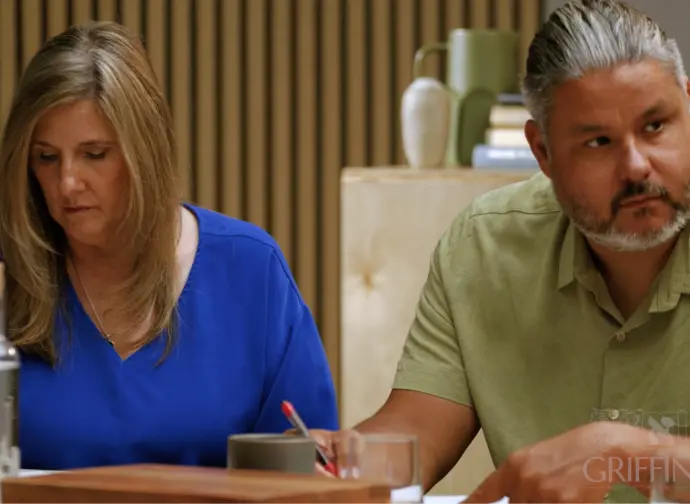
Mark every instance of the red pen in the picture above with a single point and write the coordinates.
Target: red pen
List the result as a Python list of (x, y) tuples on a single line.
[(292, 416)]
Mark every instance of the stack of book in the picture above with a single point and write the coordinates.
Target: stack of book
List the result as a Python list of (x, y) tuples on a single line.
[(505, 145)]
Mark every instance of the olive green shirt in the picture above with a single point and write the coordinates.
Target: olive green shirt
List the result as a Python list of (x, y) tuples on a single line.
[(516, 322)]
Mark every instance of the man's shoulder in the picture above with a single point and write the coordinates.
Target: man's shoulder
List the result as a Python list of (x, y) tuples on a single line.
[(518, 208), (519, 222), (533, 196)]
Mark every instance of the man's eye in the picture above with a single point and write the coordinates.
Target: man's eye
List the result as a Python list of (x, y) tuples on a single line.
[(654, 127), (598, 142)]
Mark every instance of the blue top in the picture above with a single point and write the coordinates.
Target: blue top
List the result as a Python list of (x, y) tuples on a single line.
[(247, 341)]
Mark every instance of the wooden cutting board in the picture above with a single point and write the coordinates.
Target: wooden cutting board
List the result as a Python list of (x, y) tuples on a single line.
[(163, 483)]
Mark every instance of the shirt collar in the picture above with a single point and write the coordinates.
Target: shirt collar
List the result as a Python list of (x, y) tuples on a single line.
[(574, 257), (576, 262)]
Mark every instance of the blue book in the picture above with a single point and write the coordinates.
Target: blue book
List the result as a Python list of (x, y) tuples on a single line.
[(491, 156)]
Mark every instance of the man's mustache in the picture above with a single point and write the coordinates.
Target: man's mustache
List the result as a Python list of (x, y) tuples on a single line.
[(646, 188)]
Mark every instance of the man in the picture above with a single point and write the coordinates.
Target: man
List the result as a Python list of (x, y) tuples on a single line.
[(564, 299)]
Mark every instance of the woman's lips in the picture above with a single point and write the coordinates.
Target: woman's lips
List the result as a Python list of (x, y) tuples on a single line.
[(77, 209)]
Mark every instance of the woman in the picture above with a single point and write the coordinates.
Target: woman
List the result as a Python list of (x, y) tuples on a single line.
[(149, 330)]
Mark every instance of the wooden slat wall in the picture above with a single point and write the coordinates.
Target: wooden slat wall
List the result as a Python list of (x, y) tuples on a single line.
[(272, 97)]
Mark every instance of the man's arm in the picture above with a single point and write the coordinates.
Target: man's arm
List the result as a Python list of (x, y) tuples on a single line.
[(444, 429)]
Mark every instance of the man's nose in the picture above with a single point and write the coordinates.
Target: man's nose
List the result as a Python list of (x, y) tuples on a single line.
[(635, 165)]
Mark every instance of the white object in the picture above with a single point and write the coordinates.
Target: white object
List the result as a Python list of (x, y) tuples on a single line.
[(27, 473), (444, 499), (454, 499), (425, 121), (409, 494)]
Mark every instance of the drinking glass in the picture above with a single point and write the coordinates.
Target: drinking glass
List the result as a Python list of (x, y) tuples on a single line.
[(390, 459), (670, 480)]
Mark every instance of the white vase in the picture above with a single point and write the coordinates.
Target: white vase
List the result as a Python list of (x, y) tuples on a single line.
[(425, 121)]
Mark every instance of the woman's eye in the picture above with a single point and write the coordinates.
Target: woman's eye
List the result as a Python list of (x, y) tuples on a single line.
[(95, 155), (47, 157)]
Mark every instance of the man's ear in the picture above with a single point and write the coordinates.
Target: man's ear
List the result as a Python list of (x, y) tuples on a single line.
[(538, 146)]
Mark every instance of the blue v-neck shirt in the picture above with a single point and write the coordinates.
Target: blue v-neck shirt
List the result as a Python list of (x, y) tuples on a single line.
[(246, 342)]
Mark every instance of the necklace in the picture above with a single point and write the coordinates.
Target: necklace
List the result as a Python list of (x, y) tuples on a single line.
[(105, 333)]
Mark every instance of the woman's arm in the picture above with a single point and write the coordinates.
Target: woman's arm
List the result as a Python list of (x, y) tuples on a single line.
[(296, 366)]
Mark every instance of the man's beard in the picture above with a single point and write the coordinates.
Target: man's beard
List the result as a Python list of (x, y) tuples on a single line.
[(605, 233)]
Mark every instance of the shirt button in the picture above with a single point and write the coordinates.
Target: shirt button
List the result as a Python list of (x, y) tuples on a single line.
[(620, 336), (614, 414)]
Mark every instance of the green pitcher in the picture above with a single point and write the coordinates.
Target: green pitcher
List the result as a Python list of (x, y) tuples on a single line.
[(481, 65)]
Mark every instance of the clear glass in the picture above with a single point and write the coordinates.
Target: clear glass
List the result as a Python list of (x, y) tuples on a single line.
[(9, 371), (391, 459), (670, 480)]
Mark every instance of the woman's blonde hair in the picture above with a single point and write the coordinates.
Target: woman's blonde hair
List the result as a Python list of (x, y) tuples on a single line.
[(104, 62)]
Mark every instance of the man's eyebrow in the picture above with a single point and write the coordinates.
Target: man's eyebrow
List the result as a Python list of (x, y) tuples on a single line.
[(582, 128), (588, 128)]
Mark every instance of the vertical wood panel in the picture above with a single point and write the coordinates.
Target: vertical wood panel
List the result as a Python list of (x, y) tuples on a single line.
[(306, 261), (257, 202), (8, 55), (107, 10), (357, 82), (81, 11), (331, 113), (156, 38), (455, 14), (205, 159), (405, 48), (180, 93), (56, 12), (31, 23), (282, 111), (131, 13), (479, 13), (383, 108), (431, 33), (232, 92), (505, 14), (529, 24)]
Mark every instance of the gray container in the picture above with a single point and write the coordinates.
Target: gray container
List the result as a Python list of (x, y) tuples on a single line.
[(10, 462), (272, 452)]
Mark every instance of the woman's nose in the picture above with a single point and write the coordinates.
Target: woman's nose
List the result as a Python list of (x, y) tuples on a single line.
[(70, 179)]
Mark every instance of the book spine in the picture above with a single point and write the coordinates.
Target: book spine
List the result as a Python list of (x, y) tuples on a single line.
[(488, 156)]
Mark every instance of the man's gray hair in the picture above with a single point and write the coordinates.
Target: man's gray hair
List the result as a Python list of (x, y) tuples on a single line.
[(587, 35)]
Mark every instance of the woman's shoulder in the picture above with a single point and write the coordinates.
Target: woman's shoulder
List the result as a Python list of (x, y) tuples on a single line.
[(238, 260), (237, 243), (220, 229)]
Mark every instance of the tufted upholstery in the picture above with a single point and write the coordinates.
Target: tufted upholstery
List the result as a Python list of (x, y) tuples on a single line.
[(390, 221)]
